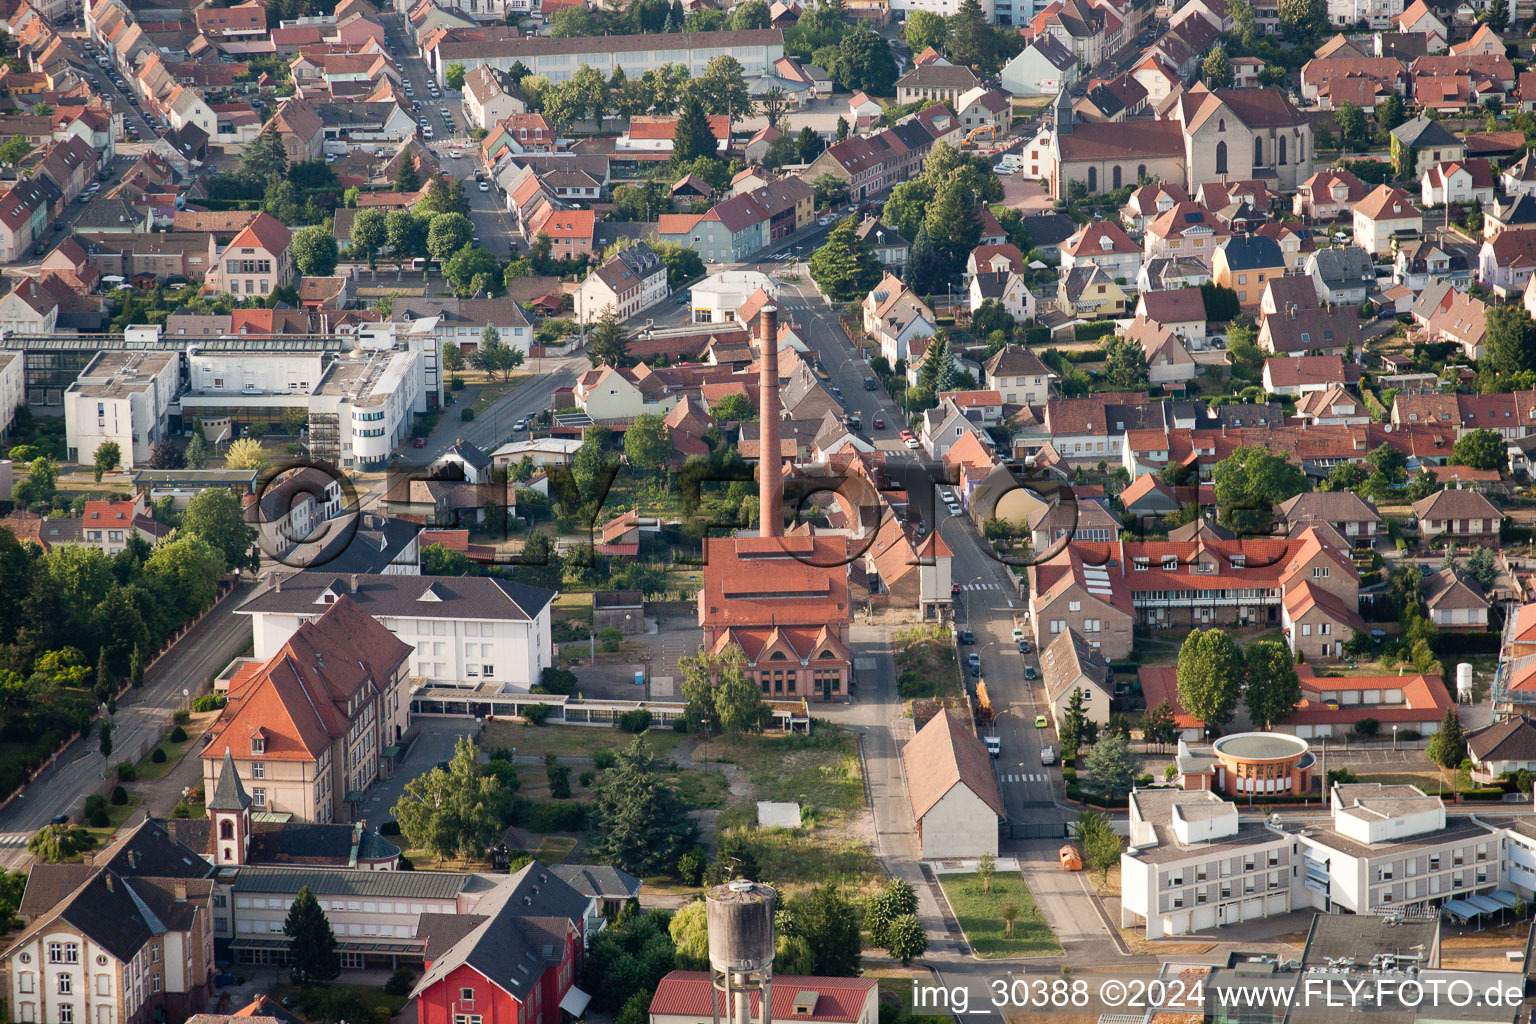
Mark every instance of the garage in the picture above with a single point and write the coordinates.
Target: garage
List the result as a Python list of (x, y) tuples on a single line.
[(1203, 918), (1253, 909), (1277, 903)]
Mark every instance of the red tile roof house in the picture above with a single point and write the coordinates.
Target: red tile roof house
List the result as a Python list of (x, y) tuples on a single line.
[(685, 997), (255, 262), (1463, 516), (513, 961)]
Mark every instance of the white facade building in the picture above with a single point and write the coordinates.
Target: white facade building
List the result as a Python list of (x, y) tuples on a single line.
[(122, 396), (466, 630)]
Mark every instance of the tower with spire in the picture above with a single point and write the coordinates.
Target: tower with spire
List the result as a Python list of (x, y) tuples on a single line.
[(229, 815)]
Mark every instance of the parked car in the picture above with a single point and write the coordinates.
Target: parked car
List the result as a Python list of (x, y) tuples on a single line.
[(485, 186), (420, 442), (1041, 722), (967, 637), (1018, 634), (520, 426), (974, 664), (994, 745), (869, 384), (879, 422), (1029, 672)]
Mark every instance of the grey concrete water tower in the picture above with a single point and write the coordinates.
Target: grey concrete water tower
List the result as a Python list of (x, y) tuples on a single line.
[(740, 919)]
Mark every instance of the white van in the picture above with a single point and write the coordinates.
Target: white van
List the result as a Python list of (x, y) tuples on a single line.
[(994, 745), (1048, 755), (1011, 163)]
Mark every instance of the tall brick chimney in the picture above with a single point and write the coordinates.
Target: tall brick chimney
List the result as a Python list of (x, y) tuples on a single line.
[(770, 482)]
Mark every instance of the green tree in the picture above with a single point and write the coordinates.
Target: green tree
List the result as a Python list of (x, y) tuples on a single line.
[(1448, 746), (314, 249), (1511, 339), (735, 406), (1244, 22), (15, 148), (951, 220), (12, 885), (1159, 725), (1210, 676), (809, 144), (215, 515), (1480, 565), (264, 159), (1216, 69), (896, 899), (247, 453), (971, 41), (648, 445), (190, 569), (1389, 112), (437, 560), (1099, 840), (197, 452), (1496, 15), (864, 61), (454, 812), (1351, 124), (311, 943), (1271, 689), (906, 938), (606, 342), (1112, 766), (1481, 449), (719, 690), (829, 923), (689, 929), (406, 178), (107, 458), (925, 29), (453, 358), (1072, 724), (1250, 483), (986, 867), (494, 356), (370, 231), (41, 483), (829, 191), (845, 267), (570, 22), (473, 271), (723, 89), (683, 264), (453, 74), (55, 843), (1303, 20), (1125, 364), (448, 233), (638, 822), (693, 137), (406, 234)]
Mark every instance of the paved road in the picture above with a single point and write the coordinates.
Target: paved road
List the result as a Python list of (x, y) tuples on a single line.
[(141, 718)]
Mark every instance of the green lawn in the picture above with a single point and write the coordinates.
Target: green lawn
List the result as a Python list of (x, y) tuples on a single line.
[(116, 815), (491, 393), (820, 771), (784, 856), (980, 916), (148, 770), (572, 740)]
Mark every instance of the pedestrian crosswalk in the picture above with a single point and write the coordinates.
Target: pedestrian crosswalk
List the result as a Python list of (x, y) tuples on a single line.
[(14, 838), (982, 586), (1024, 777)]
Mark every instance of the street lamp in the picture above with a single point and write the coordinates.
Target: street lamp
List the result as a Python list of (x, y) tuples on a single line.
[(1394, 737)]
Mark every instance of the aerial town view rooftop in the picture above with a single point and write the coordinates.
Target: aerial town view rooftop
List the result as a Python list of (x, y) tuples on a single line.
[(767, 511)]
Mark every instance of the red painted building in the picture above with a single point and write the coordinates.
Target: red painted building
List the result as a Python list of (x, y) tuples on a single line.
[(514, 961)]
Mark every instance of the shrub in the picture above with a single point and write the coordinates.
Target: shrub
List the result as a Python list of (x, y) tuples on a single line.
[(182, 716), (158, 757), (125, 772), (466, 414), (401, 982), (181, 811), (560, 781), (1343, 775), (1410, 734), (95, 803), (637, 720), (178, 735), (680, 724), (602, 760), (210, 702), (1366, 727), (535, 714), (99, 819), (586, 778), (389, 828), (119, 796), (558, 680), (690, 866), (609, 639)]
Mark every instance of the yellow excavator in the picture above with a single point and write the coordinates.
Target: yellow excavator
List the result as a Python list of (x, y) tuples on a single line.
[(987, 130)]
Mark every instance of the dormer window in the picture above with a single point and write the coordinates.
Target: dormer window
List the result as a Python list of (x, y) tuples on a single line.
[(1170, 563), (258, 745)]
